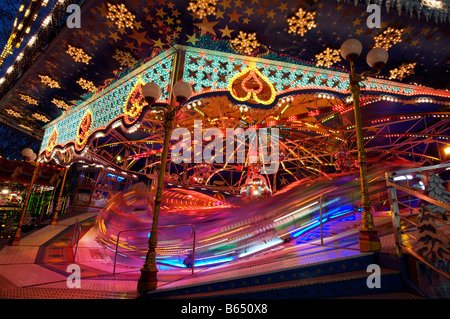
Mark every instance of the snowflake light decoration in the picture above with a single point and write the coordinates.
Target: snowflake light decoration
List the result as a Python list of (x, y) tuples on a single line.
[(403, 71), (125, 58), (435, 4), (87, 85), (119, 14), (78, 54), (45, 79), (301, 22), (328, 57), (388, 38), (202, 8), (245, 42), (13, 113), (25, 127), (41, 117), (28, 99)]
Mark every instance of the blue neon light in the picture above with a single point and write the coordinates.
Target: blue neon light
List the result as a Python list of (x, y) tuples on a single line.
[(309, 227), (198, 263), (173, 263), (212, 261), (332, 216)]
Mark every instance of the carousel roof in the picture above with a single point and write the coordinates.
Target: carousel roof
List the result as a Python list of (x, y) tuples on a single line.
[(56, 67)]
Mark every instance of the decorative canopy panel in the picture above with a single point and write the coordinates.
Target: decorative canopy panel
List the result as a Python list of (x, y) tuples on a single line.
[(272, 93), (58, 66), (119, 104)]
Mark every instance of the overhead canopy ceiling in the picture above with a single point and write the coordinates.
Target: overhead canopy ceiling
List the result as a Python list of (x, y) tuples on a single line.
[(310, 109)]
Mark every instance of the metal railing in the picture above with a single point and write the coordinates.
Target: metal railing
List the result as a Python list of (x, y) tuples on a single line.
[(397, 219), (331, 192), (321, 215), (76, 233), (149, 228)]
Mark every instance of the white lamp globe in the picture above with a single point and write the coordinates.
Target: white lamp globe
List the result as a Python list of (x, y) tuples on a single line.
[(27, 152), (151, 91), (182, 91), (351, 49), (377, 58)]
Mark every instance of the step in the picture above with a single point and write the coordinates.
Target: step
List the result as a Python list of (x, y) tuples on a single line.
[(340, 284), (216, 282)]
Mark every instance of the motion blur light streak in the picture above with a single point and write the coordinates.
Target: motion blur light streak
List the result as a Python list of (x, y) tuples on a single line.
[(228, 231), (217, 242), (298, 210), (308, 227), (261, 247), (402, 178)]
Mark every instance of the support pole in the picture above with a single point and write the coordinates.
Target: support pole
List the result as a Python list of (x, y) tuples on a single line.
[(148, 280), (368, 240), (395, 214)]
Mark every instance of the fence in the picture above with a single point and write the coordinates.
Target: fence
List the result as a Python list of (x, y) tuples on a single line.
[(38, 211), (338, 217), (421, 230)]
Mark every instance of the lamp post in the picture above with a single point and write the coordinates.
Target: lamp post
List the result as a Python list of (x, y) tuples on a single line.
[(182, 91), (30, 158), (376, 58)]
